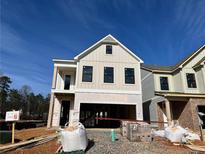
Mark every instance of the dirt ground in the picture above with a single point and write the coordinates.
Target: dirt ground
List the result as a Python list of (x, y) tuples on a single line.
[(46, 148), (100, 142), (26, 134)]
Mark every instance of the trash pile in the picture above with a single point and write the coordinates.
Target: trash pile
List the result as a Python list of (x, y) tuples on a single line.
[(176, 133), (141, 131), (73, 137)]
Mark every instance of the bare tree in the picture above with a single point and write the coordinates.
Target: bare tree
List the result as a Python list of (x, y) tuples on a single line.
[(25, 92)]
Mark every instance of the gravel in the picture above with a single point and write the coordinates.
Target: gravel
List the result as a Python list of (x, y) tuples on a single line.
[(100, 143)]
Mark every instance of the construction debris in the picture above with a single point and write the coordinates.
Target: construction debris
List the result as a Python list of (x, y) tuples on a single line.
[(177, 134), (174, 133)]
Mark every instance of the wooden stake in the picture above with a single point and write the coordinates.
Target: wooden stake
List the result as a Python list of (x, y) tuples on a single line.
[(13, 132)]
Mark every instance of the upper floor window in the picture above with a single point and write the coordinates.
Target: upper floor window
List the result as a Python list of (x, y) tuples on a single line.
[(191, 81), (164, 83), (108, 74), (129, 76), (87, 73), (67, 82), (108, 49)]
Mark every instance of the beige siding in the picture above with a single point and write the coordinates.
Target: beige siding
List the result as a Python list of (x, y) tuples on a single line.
[(203, 73), (200, 79), (177, 81), (118, 55), (120, 59)]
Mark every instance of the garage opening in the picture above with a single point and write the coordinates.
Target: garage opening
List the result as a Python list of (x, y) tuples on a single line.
[(89, 112), (201, 114)]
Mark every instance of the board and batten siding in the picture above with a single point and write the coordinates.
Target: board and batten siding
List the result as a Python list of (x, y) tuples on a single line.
[(177, 81), (199, 76), (119, 60)]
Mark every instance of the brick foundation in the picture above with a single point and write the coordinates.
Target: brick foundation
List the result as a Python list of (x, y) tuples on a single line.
[(189, 116)]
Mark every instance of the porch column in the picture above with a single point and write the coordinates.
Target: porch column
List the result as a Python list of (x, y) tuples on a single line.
[(168, 111), (54, 77), (50, 113)]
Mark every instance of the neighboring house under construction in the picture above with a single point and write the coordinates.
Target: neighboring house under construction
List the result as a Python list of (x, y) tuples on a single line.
[(176, 93)]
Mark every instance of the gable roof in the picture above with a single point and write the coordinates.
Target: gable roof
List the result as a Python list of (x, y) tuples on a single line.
[(200, 63), (107, 39), (170, 69)]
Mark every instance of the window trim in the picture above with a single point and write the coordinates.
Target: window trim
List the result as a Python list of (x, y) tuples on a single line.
[(106, 49), (125, 75), (168, 87), (112, 75), (83, 74), (194, 80)]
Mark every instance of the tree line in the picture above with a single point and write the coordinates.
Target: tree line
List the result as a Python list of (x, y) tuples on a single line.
[(31, 106)]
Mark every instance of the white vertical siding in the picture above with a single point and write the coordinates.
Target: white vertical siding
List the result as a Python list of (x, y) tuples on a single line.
[(119, 59)]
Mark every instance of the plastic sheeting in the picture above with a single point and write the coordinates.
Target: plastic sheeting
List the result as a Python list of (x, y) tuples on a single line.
[(174, 133), (177, 134)]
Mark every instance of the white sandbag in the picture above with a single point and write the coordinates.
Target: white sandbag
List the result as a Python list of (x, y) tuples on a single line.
[(174, 133), (74, 138), (159, 133)]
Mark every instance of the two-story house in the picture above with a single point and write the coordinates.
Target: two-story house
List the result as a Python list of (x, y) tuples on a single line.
[(176, 92), (102, 81)]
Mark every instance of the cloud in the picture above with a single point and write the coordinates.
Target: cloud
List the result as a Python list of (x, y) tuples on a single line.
[(11, 40), (18, 60), (85, 12)]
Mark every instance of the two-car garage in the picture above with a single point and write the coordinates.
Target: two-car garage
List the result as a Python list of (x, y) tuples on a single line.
[(90, 111)]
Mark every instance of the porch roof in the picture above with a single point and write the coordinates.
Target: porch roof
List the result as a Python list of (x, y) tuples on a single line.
[(180, 94)]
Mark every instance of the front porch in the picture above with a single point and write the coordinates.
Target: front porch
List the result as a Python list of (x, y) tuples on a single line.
[(61, 109), (183, 110)]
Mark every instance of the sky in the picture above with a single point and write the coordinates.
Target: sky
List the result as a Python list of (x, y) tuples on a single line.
[(33, 32)]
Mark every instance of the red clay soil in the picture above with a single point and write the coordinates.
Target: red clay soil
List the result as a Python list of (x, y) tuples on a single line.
[(26, 134), (46, 148), (166, 142), (199, 143)]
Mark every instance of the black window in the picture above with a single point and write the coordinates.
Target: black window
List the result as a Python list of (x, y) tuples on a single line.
[(129, 76), (191, 81), (108, 49), (108, 74), (87, 73), (67, 82), (164, 83)]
